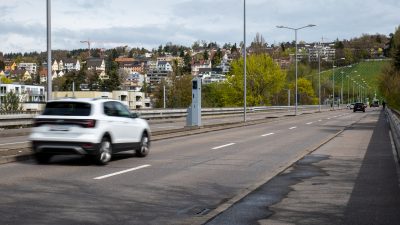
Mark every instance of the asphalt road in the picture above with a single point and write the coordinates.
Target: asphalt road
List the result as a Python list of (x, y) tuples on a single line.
[(183, 181), (160, 125)]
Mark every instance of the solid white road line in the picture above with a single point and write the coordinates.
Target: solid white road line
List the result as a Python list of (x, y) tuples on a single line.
[(264, 135), (121, 172), (292, 128), (223, 146), (12, 143), (309, 123)]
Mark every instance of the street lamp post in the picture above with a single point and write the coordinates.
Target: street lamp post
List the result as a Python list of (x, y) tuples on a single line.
[(341, 90), (333, 81), (319, 77), (244, 55), (295, 37), (49, 80)]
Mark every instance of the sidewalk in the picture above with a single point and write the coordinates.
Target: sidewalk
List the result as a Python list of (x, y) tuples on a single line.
[(347, 181)]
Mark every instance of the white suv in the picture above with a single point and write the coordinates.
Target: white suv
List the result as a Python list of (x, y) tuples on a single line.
[(93, 127)]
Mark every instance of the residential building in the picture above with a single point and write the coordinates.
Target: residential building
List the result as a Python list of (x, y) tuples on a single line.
[(96, 64), (284, 63), (211, 77), (27, 93), (10, 66), (133, 66), (43, 75), (225, 65), (201, 65), (30, 67), (326, 52), (99, 66), (135, 81), (164, 66), (157, 71), (132, 99), (26, 76)]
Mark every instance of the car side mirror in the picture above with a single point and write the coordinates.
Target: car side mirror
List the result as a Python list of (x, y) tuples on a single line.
[(134, 115)]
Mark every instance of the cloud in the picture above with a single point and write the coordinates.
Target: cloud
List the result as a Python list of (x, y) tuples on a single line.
[(151, 23)]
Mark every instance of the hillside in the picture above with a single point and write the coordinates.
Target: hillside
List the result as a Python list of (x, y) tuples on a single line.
[(368, 71)]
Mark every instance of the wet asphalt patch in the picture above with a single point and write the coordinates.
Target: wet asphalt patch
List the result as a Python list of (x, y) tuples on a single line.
[(255, 206)]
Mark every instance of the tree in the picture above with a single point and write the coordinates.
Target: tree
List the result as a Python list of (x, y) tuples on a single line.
[(264, 79), (389, 81), (216, 60), (187, 60), (306, 94), (5, 80), (178, 89), (205, 55), (2, 65), (123, 75), (11, 102), (258, 45), (234, 48), (217, 95)]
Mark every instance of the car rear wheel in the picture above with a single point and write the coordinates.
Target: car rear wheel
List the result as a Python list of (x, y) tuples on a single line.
[(105, 152), (144, 148), (42, 158)]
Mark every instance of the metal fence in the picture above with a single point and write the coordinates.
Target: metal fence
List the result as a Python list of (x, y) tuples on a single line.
[(25, 118), (394, 121)]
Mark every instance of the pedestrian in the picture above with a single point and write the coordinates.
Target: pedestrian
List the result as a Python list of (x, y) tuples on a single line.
[(383, 104)]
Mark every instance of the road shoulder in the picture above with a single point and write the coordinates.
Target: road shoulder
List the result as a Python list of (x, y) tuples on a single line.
[(346, 181)]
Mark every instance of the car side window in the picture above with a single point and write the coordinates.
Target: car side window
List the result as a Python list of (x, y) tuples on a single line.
[(122, 111), (109, 109)]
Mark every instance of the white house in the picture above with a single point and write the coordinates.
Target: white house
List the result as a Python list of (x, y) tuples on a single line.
[(96, 64), (71, 64), (26, 93), (201, 65), (164, 66), (30, 67)]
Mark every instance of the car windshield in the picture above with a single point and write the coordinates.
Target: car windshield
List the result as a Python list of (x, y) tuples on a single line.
[(67, 109)]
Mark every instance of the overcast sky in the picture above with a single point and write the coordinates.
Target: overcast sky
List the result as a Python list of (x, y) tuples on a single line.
[(150, 23)]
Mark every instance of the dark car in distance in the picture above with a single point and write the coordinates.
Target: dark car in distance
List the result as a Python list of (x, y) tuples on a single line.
[(359, 106)]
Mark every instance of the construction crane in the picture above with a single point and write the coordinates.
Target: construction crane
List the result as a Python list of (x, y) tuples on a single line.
[(88, 43)]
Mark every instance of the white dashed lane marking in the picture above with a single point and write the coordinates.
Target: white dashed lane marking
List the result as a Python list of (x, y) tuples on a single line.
[(264, 135), (121, 172), (223, 146)]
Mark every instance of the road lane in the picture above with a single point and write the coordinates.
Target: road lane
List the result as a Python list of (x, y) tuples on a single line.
[(168, 124), (186, 178)]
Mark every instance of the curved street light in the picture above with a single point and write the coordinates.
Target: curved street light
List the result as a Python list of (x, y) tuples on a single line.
[(295, 37)]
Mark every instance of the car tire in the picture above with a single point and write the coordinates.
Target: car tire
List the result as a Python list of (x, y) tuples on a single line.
[(105, 152), (42, 158), (144, 147)]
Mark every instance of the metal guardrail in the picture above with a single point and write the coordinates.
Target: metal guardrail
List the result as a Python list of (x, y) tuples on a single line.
[(394, 121), (25, 118)]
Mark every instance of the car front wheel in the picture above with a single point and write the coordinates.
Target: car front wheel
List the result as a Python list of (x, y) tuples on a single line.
[(105, 152), (144, 148)]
